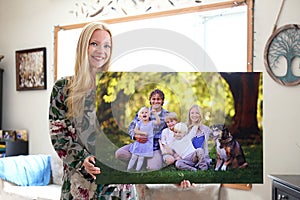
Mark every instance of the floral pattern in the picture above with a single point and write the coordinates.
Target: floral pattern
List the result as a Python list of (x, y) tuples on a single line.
[(73, 140)]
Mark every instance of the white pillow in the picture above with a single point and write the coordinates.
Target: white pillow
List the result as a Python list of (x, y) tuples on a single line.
[(57, 169)]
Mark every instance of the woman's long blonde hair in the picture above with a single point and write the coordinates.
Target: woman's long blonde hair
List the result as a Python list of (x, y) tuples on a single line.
[(83, 79), (189, 122)]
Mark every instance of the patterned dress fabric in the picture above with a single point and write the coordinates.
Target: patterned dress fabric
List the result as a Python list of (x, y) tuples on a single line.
[(73, 140)]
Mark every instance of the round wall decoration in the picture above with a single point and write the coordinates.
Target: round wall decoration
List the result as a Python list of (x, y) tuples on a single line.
[(282, 55)]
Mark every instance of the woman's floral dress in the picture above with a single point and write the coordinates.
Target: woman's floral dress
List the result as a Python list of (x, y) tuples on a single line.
[(73, 141)]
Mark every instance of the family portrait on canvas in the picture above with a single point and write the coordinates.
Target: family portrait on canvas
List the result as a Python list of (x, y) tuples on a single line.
[(163, 127)]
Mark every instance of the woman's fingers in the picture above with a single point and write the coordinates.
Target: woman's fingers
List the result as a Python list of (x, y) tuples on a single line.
[(89, 166), (185, 184)]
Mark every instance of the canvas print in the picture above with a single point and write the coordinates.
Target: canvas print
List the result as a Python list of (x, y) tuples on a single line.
[(31, 69), (164, 127)]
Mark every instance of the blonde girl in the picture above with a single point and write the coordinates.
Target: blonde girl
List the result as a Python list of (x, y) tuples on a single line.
[(203, 134)]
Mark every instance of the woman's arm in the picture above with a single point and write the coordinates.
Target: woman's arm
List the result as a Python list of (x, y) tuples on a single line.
[(62, 132)]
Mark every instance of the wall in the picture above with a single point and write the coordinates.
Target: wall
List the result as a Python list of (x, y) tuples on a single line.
[(25, 25), (30, 24)]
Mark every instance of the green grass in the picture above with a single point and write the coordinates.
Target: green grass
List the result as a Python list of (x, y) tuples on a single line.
[(252, 174)]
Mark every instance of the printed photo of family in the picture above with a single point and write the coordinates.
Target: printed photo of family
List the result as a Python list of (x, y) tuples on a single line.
[(163, 127)]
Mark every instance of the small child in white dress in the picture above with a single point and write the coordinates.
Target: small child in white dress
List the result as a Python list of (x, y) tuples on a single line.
[(144, 127)]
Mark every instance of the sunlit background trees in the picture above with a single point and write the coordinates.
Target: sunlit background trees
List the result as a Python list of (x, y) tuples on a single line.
[(231, 98)]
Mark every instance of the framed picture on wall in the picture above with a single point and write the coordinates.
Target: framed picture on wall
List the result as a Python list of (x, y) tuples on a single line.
[(31, 69)]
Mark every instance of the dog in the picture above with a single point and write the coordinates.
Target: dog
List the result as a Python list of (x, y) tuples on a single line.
[(229, 151)]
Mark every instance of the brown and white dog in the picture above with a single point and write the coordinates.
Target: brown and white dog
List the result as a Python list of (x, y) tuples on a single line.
[(229, 151)]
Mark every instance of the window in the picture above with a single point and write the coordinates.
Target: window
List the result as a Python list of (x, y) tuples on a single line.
[(223, 31)]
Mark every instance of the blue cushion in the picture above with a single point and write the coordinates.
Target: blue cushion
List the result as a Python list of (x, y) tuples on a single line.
[(29, 170)]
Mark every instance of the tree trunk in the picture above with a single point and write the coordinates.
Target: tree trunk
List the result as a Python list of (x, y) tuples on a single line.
[(244, 88)]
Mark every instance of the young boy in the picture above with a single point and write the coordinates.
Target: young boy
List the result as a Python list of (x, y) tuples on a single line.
[(167, 137), (188, 158)]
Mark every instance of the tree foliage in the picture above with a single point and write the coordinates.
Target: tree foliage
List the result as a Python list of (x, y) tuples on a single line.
[(121, 94)]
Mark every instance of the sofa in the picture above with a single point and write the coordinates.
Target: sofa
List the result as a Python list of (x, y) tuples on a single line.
[(50, 188), (47, 185)]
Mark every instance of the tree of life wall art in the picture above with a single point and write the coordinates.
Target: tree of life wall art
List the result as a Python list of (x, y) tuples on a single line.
[(231, 148), (282, 55)]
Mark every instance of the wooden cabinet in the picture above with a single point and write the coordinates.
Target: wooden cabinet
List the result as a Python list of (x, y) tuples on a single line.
[(285, 187)]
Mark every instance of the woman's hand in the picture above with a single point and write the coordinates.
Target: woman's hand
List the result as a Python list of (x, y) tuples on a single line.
[(185, 184), (89, 166)]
